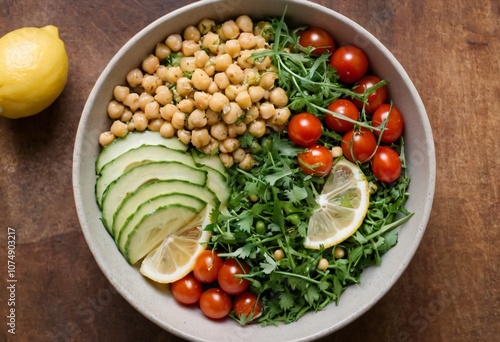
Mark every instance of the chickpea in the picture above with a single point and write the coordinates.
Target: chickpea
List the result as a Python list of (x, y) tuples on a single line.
[(106, 138), (189, 48), (213, 88), (257, 128), (155, 124), (131, 126), (232, 114), (243, 100), (278, 254), (201, 58), (192, 33), (144, 99), (267, 80), (278, 97), (251, 77), (184, 86), (209, 68), (197, 119), (336, 151), (243, 60), (200, 79), (222, 80), (178, 120), (219, 131), (126, 116), (162, 51), (115, 109), (167, 130), (323, 264), (150, 83), (120, 93), (173, 74), (211, 41), (235, 74), (200, 137), (238, 155), (266, 110), (132, 101), (218, 101), (230, 30), (188, 64), (260, 42), (236, 129), (163, 95), (247, 163), (162, 73), (226, 159), (211, 148), (256, 93), (140, 121), (150, 64), (222, 62), (174, 42), (184, 136), (233, 90), (206, 25), (233, 48), (247, 41), (251, 115), (167, 111), (201, 100), (229, 145), (263, 29), (212, 117), (280, 117), (338, 253), (134, 77), (152, 110)]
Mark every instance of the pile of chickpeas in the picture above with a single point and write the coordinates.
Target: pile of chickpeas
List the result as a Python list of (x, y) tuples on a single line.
[(211, 96)]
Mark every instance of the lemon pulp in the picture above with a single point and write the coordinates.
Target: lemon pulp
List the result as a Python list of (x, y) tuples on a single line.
[(342, 206)]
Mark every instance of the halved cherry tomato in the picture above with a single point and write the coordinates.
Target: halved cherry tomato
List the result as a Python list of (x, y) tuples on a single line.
[(215, 303), (317, 160), (394, 126), (304, 129), (187, 290), (361, 141), (227, 280), (350, 62), (247, 304), (207, 266), (386, 165), (318, 38), (376, 98), (345, 107)]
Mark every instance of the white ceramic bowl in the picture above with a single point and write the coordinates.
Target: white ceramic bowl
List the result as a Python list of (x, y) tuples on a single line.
[(153, 301)]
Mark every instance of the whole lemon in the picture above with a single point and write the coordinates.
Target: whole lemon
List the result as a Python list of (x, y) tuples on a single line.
[(33, 70)]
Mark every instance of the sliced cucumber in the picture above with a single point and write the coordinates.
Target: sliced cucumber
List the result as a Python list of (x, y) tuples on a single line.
[(131, 180), (211, 161), (135, 157), (217, 182), (151, 190), (151, 206), (154, 228), (133, 140)]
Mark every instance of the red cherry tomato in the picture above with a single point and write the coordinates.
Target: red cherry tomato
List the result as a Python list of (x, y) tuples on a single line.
[(318, 38), (207, 266), (317, 160), (361, 141), (394, 126), (350, 62), (187, 290), (386, 165), (247, 304), (227, 280), (375, 99), (345, 107), (304, 129), (215, 303)]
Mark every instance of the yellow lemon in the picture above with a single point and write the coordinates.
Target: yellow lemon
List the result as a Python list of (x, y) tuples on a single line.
[(33, 70)]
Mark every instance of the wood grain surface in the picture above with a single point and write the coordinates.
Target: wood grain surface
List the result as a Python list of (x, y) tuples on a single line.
[(449, 292)]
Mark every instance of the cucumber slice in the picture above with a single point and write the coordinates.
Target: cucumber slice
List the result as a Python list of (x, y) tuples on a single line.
[(211, 161), (217, 182), (136, 157), (154, 228), (154, 189), (131, 180), (151, 206), (133, 140)]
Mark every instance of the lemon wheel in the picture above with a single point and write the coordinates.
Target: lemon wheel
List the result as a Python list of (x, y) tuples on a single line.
[(342, 206)]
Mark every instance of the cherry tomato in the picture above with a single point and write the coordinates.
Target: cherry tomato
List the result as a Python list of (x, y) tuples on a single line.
[(317, 160), (187, 290), (345, 107), (215, 303), (394, 125), (362, 142), (386, 165), (376, 98), (304, 129), (227, 280), (318, 38), (247, 304), (350, 62), (207, 266)]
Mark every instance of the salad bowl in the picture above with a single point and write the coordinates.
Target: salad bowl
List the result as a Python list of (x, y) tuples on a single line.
[(155, 301)]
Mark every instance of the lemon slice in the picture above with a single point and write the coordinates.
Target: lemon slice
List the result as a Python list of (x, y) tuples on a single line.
[(343, 204), (175, 256)]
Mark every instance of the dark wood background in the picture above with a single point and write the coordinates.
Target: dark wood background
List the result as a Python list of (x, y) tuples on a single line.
[(450, 291)]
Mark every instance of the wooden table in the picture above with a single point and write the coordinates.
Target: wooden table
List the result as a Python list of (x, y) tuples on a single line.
[(450, 291)]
